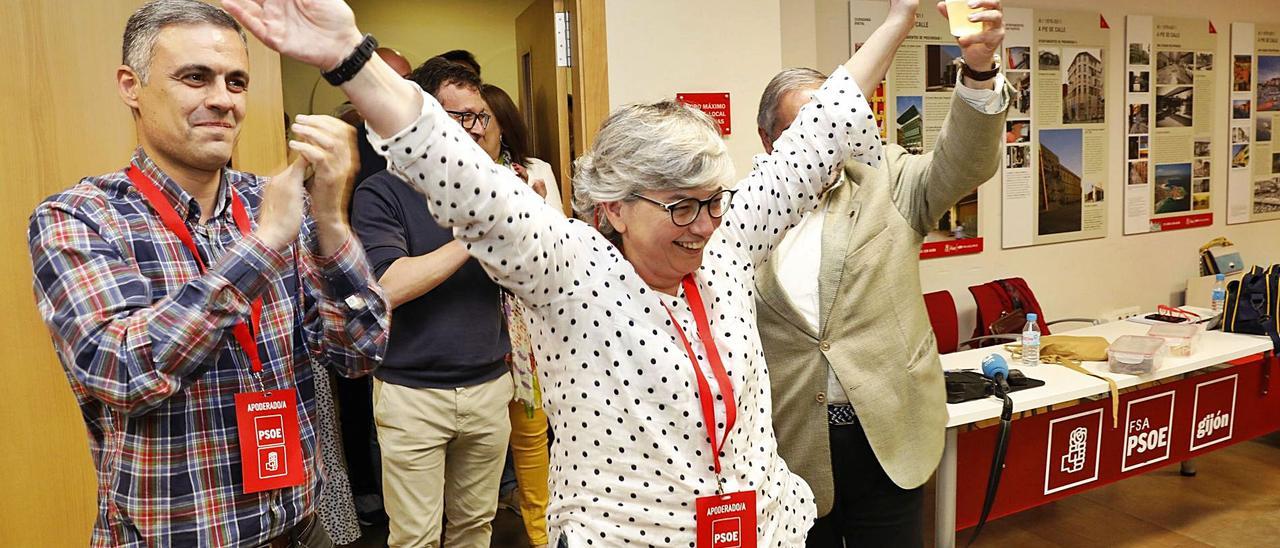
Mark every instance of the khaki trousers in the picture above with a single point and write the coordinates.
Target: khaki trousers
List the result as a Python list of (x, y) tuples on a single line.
[(442, 449)]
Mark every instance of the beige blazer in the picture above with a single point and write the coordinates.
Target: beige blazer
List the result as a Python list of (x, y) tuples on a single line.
[(873, 328)]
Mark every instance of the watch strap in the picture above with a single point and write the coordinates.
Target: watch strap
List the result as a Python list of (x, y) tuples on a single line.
[(980, 76), (347, 69)]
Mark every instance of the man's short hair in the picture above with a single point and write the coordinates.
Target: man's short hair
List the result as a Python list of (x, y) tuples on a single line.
[(787, 81), (145, 25), (464, 57), (438, 72)]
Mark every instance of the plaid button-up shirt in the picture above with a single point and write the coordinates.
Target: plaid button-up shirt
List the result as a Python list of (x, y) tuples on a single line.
[(146, 342)]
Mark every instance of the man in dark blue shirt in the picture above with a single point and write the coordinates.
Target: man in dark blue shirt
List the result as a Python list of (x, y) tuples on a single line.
[(440, 398)]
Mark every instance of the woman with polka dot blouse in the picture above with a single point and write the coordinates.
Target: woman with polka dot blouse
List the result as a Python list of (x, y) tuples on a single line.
[(615, 331)]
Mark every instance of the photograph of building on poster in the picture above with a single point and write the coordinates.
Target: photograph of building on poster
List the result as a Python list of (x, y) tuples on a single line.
[(1266, 195), (1138, 118), (1239, 135), (1061, 164), (1173, 188), (1204, 61), (1202, 147), (1139, 81), (942, 67), (1174, 106), (1083, 100), (1050, 58), (1241, 109), (1138, 172), (1268, 83), (1139, 147), (909, 127), (1016, 157), (1242, 73), (1239, 156), (1020, 100), (1175, 67), (958, 223), (1201, 167), (1262, 128), (1139, 54)]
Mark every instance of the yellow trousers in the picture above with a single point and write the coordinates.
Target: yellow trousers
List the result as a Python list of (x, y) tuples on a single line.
[(529, 450)]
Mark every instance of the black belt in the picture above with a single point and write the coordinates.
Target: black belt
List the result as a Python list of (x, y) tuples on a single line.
[(293, 534), (841, 414)]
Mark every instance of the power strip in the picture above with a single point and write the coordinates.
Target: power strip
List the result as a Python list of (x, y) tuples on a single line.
[(1121, 314)]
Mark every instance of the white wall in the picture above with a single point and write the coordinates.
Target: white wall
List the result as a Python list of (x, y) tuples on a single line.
[(658, 48)]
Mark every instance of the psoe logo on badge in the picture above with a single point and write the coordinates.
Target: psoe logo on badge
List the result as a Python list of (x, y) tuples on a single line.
[(272, 462), (269, 430), (726, 533), (1213, 418), (1074, 448), (1148, 430)]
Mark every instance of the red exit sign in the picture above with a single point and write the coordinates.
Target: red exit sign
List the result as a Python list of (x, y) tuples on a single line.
[(716, 105)]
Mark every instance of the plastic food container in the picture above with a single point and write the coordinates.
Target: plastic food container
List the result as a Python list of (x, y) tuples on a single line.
[(1183, 339), (1136, 355)]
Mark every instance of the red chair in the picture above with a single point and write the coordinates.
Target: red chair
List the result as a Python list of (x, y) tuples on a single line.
[(944, 319)]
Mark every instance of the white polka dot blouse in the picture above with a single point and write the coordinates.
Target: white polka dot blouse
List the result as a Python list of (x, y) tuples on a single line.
[(631, 453)]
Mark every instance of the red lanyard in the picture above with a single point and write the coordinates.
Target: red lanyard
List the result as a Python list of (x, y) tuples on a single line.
[(169, 216), (717, 367)]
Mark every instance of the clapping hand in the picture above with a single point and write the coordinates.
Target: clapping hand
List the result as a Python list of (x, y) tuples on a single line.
[(329, 145)]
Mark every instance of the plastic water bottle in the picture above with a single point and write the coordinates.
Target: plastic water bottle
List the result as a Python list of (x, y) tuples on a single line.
[(1031, 342), (1219, 294)]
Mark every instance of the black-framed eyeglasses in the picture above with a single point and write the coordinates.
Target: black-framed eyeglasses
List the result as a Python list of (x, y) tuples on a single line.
[(685, 211), (468, 119)]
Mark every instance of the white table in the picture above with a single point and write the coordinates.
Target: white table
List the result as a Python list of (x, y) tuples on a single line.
[(1064, 385)]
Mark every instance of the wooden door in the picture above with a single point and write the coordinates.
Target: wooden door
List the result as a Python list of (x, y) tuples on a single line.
[(589, 72), (544, 90)]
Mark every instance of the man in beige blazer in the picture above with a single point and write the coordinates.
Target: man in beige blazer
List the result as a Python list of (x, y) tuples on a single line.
[(858, 397)]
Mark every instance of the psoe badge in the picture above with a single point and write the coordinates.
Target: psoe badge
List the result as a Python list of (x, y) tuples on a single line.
[(727, 521), (270, 443)]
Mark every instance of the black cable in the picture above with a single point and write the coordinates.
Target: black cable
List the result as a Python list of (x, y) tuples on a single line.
[(997, 463)]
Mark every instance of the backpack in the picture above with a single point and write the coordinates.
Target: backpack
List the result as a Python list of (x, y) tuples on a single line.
[(1253, 304)]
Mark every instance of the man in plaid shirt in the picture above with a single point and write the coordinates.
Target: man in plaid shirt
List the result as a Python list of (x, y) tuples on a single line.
[(150, 334)]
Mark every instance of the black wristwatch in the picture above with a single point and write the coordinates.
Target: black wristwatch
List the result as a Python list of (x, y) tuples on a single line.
[(980, 76), (347, 69)]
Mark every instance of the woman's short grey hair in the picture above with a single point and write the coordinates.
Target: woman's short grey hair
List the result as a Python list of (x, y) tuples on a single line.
[(649, 147), (145, 25), (787, 81)]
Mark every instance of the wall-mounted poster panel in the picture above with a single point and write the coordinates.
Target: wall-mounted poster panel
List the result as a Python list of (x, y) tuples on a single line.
[(916, 99), (1055, 171), (1170, 74), (1253, 181)]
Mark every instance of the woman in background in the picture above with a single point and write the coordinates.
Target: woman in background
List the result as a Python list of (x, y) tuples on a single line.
[(507, 143)]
